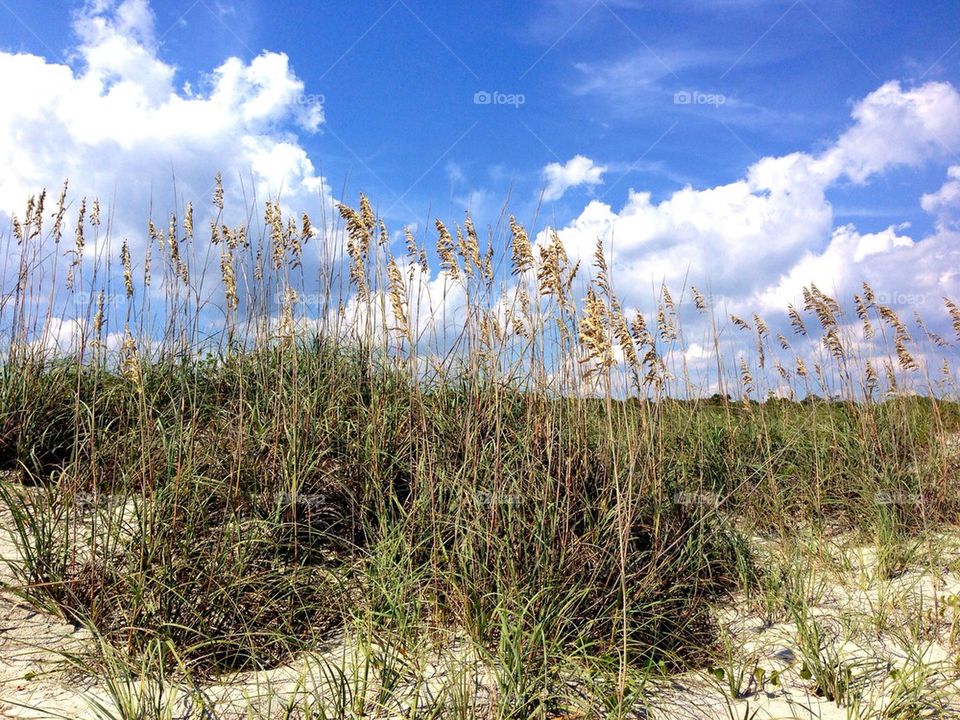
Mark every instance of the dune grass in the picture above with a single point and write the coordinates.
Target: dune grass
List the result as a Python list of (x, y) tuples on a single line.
[(544, 481)]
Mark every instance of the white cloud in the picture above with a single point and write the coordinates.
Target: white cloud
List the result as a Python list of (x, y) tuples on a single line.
[(896, 127), (758, 240), (945, 203), (116, 125), (577, 171)]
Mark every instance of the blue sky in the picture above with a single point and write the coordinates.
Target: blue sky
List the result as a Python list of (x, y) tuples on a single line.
[(598, 78), (746, 147)]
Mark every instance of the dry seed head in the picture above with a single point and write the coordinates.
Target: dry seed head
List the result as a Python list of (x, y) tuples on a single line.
[(600, 263), (295, 243), (358, 246), (521, 254), (868, 294), (594, 337), (801, 367), (472, 244), (58, 216), (699, 302), (38, 215), (273, 218), (746, 377), (832, 342), (366, 214), (553, 259), (668, 299), (17, 229), (127, 268), (461, 249), (954, 315), (665, 325), (864, 317), (384, 238), (870, 373), (411, 244), (625, 341), (218, 193), (286, 314), (445, 250), (572, 275), (78, 242), (398, 294), (95, 213), (906, 360), (784, 343), (229, 277), (796, 321), (888, 315), (128, 353), (639, 331), (762, 329), (306, 229), (783, 372), (188, 221), (739, 322), (891, 377), (762, 332), (98, 318)]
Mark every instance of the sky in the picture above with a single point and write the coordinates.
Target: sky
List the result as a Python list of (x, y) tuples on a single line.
[(748, 146)]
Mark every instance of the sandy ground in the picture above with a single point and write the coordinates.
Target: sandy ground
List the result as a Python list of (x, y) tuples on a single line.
[(908, 624)]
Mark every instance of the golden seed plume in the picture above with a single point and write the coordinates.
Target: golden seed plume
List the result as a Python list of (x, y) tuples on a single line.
[(445, 250), (127, 268), (398, 295), (954, 315), (796, 322), (521, 254), (699, 302), (218, 193)]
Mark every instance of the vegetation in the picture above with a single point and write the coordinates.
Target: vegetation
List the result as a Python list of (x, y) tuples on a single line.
[(229, 481)]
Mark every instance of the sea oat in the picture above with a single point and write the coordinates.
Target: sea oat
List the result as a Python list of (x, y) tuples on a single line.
[(127, 268), (521, 254)]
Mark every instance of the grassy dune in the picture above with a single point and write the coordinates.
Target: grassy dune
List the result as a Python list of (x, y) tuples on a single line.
[(215, 477)]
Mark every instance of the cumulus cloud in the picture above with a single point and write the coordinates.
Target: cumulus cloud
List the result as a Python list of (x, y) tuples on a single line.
[(758, 240), (945, 203), (577, 171), (117, 125)]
